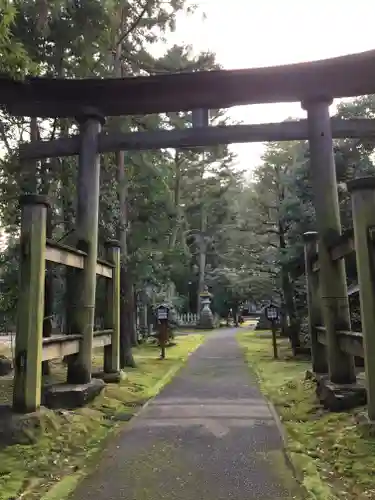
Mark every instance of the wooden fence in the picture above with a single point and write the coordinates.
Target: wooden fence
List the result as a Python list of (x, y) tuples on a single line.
[(31, 348), (329, 340), (187, 319)]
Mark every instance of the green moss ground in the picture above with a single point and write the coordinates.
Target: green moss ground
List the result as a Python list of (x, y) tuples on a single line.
[(333, 456), (65, 444)]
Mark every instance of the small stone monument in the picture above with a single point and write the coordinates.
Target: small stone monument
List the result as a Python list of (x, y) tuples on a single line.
[(206, 318)]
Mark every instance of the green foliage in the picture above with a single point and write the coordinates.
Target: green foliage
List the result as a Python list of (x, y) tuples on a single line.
[(8, 286), (81, 39), (14, 59)]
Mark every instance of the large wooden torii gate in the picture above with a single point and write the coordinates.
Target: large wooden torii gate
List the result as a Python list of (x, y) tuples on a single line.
[(314, 84)]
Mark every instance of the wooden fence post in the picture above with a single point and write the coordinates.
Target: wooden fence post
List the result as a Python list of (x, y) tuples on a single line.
[(334, 292), (79, 369), (363, 205), (318, 351), (112, 320), (29, 337)]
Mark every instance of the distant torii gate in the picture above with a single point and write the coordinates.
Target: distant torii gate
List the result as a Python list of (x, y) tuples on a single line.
[(314, 84)]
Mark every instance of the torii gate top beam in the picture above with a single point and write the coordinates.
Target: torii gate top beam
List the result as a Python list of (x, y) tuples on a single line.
[(344, 76)]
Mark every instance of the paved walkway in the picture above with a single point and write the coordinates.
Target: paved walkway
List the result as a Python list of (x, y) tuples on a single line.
[(209, 435)]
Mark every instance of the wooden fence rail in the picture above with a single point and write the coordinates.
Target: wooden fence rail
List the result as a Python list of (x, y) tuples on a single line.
[(349, 342), (59, 346), (341, 248), (72, 257)]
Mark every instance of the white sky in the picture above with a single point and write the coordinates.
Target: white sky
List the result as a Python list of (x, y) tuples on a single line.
[(254, 33)]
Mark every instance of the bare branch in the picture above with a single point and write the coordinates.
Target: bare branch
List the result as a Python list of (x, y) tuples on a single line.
[(53, 131)]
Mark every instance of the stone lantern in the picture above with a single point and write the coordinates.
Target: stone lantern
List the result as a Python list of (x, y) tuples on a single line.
[(206, 318)]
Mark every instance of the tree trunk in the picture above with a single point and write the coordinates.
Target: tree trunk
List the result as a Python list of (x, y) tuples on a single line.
[(202, 256), (293, 329), (142, 316), (134, 317), (288, 294), (283, 321), (235, 316), (70, 298), (48, 295), (68, 237), (177, 196), (126, 355), (127, 327), (48, 284), (127, 332)]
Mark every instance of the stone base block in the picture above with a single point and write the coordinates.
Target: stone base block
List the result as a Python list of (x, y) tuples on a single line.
[(340, 397), (206, 319), (110, 378), (70, 396)]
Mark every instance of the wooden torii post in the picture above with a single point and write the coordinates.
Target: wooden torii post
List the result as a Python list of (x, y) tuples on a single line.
[(86, 234), (334, 292)]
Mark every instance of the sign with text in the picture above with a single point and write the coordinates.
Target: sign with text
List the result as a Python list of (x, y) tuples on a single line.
[(272, 312), (162, 312)]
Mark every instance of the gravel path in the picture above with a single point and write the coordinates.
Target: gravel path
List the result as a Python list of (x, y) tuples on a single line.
[(209, 435)]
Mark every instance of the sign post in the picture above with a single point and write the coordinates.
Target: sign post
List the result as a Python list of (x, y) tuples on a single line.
[(272, 314), (162, 315)]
